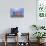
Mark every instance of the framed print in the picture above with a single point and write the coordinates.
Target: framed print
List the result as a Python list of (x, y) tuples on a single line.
[(17, 12)]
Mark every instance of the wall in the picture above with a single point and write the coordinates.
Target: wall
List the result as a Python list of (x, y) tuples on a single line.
[(24, 23)]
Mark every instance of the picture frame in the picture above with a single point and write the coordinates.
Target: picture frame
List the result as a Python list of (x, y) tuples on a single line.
[(17, 12)]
